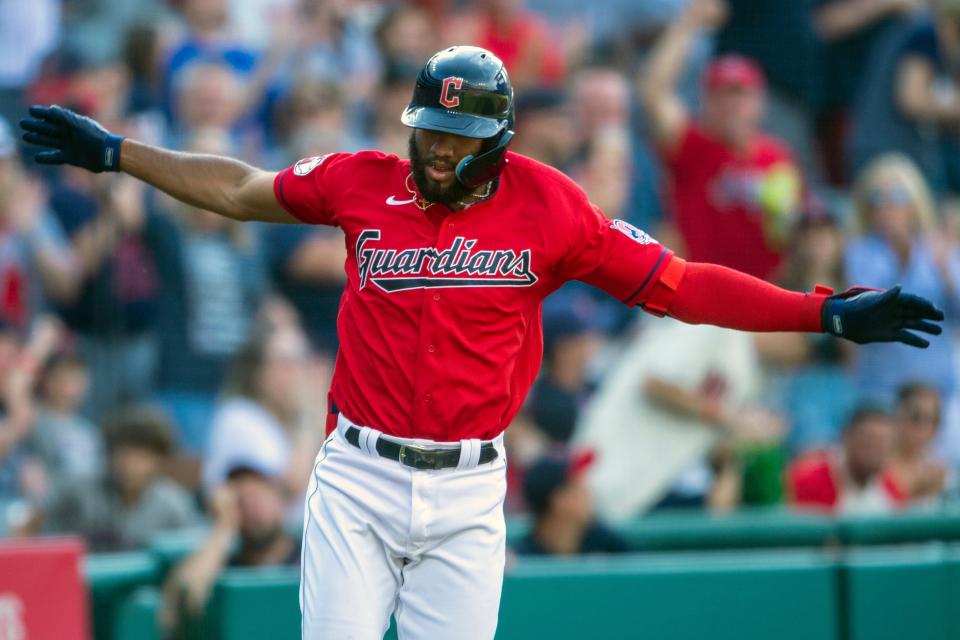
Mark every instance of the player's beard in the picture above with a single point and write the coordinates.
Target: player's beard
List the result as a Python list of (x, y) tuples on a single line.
[(430, 190)]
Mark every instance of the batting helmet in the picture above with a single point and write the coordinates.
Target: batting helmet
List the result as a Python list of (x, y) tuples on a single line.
[(466, 91)]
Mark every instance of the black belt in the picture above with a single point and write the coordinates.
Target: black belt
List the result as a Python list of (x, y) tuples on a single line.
[(421, 457)]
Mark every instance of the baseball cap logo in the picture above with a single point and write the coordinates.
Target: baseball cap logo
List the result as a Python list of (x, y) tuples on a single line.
[(445, 98)]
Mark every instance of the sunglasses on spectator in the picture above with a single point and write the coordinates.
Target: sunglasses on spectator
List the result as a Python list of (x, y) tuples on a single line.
[(895, 196), (917, 416)]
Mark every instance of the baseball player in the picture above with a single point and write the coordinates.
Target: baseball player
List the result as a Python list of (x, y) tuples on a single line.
[(450, 256)]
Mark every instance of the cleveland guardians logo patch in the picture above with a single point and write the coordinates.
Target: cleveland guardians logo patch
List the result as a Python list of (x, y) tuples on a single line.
[(447, 100), (305, 166), (427, 267), (632, 232)]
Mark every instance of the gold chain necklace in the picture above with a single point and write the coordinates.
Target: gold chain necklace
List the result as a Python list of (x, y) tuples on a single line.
[(479, 196), (424, 204), (417, 200)]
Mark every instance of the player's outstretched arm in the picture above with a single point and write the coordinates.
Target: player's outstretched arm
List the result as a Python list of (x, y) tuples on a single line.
[(223, 185), (711, 294)]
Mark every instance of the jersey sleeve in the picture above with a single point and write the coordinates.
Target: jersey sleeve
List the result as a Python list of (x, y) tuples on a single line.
[(622, 260), (309, 189)]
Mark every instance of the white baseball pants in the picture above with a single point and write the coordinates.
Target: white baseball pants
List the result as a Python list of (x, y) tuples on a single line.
[(380, 537)]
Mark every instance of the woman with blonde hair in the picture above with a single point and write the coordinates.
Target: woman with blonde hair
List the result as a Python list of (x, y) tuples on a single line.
[(896, 242)]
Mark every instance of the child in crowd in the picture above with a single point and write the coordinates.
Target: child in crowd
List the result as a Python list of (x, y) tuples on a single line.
[(134, 499), (67, 445)]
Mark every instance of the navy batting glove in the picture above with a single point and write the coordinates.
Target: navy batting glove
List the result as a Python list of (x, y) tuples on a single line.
[(70, 138), (868, 315)]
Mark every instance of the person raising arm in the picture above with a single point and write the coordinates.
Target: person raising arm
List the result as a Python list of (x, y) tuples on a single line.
[(668, 115)]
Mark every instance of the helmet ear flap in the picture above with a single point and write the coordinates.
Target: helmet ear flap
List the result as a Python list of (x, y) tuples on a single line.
[(473, 171), (464, 161)]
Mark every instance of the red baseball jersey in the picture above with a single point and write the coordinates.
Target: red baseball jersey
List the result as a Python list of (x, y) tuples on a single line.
[(730, 208), (439, 323)]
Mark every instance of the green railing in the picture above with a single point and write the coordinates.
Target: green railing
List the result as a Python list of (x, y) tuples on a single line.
[(751, 575)]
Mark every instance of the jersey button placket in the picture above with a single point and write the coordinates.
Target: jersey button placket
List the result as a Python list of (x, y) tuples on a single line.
[(428, 363)]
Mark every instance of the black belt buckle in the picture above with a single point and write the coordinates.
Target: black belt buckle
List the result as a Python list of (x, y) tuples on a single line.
[(417, 458)]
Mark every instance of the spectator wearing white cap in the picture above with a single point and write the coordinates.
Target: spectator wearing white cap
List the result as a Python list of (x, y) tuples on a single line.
[(271, 414)]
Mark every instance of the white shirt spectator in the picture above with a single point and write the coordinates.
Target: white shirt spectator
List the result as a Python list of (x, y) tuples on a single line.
[(643, 449), (245, 434), (871, 499)]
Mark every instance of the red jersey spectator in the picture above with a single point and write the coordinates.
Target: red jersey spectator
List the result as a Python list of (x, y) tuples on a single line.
[(856, 478), (733, 190), (520, 38)]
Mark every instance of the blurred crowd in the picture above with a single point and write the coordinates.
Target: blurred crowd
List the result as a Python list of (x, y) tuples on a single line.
[(162, 367)]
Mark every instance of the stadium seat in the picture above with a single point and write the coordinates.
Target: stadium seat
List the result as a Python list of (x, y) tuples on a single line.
[(112, 577), (855, 594), (904, 527), (699, 531), (653, 594), (169, 547), (250, 604), (898, 593), (136, 617), (783, 595), (746, 530), (951, 567)]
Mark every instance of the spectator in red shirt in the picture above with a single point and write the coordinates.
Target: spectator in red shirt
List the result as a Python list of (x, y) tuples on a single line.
[(854, 479), (733, 190), (520, 38)]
